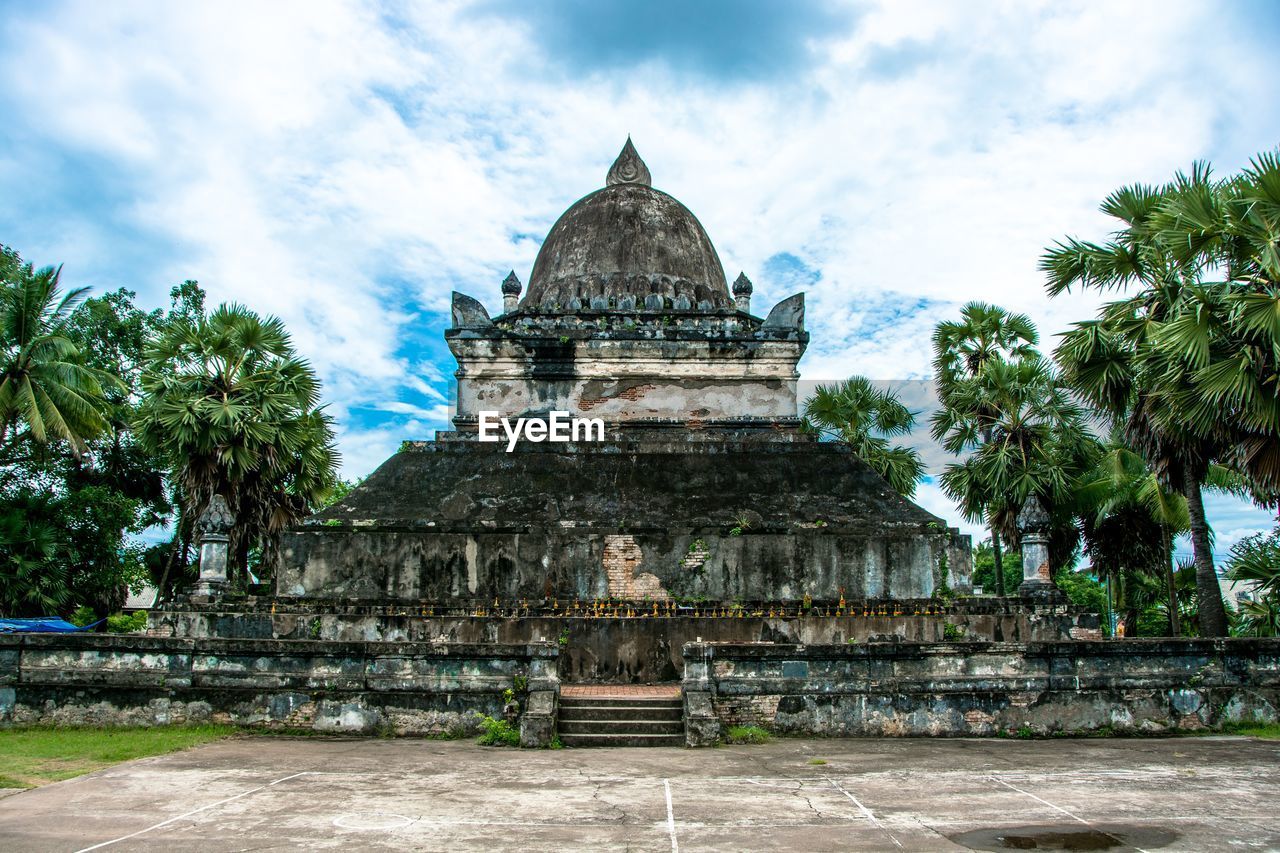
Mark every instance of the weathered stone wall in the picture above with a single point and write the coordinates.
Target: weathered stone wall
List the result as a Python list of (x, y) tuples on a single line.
[(954, 689), (679, 372), (640, 648), (403, 688)]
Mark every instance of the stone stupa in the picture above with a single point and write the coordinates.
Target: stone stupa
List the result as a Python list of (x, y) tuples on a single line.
[(704, 487)]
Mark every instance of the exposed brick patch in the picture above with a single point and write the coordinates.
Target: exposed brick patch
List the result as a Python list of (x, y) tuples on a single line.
[(622, 556), (747, 710), (631, 394)]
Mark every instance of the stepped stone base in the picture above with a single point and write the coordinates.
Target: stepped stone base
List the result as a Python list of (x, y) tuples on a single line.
[(624, 719)]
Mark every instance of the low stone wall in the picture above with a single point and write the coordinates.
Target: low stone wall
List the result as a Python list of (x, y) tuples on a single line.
[(639, 648), (401, 688), (953, 689)]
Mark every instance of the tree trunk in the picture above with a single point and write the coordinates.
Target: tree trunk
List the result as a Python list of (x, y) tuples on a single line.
[(1175, 622), (995, 552), (1213, 617), (1130, 622)]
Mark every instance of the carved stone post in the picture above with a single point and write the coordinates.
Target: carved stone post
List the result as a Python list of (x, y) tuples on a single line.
[(1033, 525), (538, 722), (213, 526), (701, 726)]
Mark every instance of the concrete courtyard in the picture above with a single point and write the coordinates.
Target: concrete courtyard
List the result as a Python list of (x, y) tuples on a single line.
[(1214, 793)]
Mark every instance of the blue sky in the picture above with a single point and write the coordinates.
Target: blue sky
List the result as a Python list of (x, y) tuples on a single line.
[(346, 165)]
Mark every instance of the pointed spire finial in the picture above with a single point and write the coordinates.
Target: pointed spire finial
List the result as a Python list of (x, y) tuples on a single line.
[(629, 168), (511, 284)]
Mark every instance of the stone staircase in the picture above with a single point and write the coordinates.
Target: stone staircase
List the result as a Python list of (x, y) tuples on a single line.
[(621, 720)]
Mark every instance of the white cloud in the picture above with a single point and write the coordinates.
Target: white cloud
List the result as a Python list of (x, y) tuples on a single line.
[(346, 165)]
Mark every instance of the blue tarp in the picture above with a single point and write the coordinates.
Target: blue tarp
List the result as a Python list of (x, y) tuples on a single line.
[(44, 626)]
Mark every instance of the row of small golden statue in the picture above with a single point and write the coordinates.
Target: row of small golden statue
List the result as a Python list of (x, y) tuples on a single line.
[(616, 608)]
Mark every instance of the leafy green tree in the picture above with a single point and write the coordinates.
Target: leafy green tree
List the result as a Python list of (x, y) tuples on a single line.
[(69, 505), (234, 410), (1083, 590), (341, 488), (865, 417), (984, 564)]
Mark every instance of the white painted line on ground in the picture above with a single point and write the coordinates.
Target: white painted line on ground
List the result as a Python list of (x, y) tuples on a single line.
[(866, 812), (192, 812), (671, 818), (1061, 809)]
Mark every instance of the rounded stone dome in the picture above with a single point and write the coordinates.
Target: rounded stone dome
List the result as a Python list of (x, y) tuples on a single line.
[(627, 247)]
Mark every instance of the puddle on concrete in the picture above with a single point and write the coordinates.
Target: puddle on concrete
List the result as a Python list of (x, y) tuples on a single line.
[(1073, 836)]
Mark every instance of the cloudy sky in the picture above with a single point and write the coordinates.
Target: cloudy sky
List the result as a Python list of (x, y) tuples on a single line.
[(347, 165)]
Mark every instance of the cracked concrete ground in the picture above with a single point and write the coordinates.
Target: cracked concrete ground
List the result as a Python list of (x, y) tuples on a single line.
[(1216, 793)]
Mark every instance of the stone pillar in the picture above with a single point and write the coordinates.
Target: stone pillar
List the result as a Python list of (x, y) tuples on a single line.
[(213, 526), (541, 706), (701, 726), (1033, 525)]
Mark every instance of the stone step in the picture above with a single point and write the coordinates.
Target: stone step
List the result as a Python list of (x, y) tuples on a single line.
[(622, 712), (579, 740), (620, 727)]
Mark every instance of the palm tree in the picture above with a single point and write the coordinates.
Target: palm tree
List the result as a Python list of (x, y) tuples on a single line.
[(236, 412), (1030, 440), (1256, 559), (865, 417), (43, 387), (1142, 362), (985, 333), (1129, 521)]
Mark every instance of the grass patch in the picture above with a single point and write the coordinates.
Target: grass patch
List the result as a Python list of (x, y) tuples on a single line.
[(746, 734), (1266, 731), (817, 761), (38, 755)]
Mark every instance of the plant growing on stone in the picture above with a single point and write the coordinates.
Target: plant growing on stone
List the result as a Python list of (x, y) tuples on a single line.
[(943, 589), (498, 733)]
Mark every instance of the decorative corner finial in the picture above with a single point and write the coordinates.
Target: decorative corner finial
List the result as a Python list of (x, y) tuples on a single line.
[(1033, 518), (629, 168), (742, 293), (216, 520), (510, 292)]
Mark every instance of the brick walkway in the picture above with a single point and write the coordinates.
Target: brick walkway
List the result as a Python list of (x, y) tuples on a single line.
[(647, 691)]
